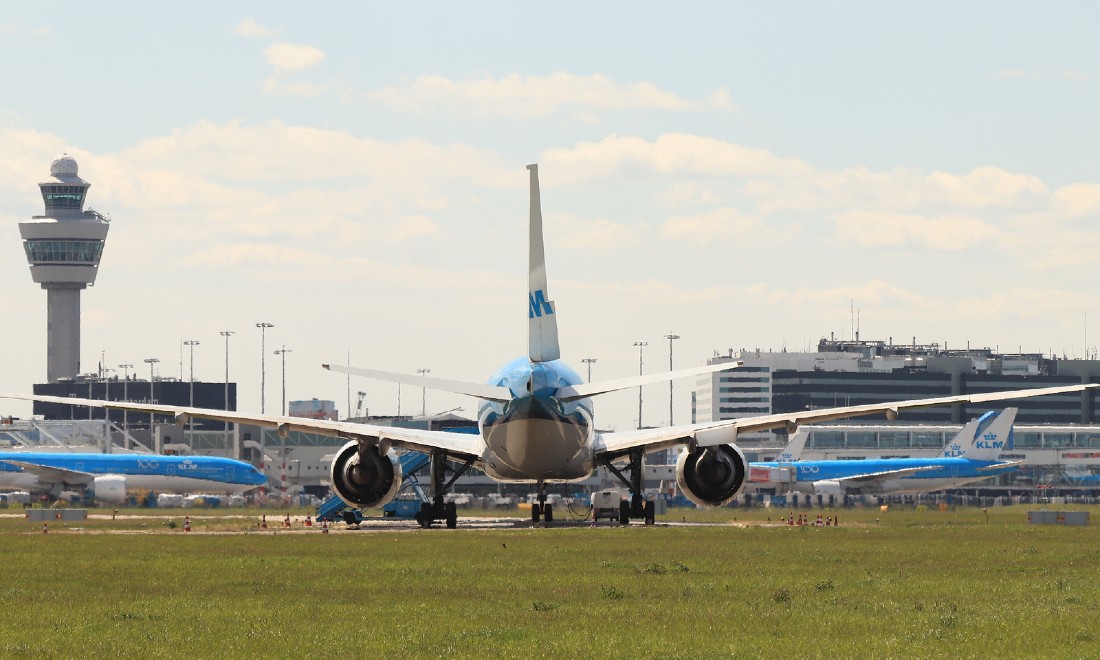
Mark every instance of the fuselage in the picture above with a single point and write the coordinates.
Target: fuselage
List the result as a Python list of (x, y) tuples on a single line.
[(536, 436), (165, 474), (934, 473)]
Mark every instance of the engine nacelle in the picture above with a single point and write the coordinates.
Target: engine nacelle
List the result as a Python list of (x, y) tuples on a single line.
[(110, 488), (711, 476), (369, 484), (830, 487)]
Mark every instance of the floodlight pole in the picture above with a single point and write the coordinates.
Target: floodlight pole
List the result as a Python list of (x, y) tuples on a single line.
[(641, 345), (423, 392), (263, 363), (589, 362), (191, 343), (670, 337)]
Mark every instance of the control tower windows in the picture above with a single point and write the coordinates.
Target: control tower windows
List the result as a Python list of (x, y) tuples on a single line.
[(63, 197), (83, 252)]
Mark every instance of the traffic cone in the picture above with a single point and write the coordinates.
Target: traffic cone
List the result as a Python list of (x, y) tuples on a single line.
[(309, 521), (45, 527), (818, 523), (187, 523), (286, 522), (324, 526), (263, 522)]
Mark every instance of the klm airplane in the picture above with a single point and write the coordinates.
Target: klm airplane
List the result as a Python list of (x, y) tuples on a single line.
[(536, 424), (109, 476), (971, 456)]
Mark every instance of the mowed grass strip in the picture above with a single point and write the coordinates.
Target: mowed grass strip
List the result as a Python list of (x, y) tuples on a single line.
[(889, 584)]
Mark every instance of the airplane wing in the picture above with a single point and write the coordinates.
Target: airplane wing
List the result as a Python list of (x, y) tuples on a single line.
[(725, 432), (487, 392), (54, 475), (458, 444), (585, 390), (1000, 466), (863, 480)]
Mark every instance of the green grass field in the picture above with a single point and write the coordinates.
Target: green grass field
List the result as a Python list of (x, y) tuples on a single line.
[(900, 583)]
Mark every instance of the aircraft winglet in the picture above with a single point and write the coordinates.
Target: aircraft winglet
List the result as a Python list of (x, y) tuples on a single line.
[(542, 330)]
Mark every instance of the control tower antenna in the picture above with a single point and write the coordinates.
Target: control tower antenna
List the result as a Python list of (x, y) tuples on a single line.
[(63, 248)]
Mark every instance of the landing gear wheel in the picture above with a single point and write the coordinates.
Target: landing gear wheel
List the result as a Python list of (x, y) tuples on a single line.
[(452, 515), (650, 512), (636, 510), (424, 517), (548, 513), (536, 513), (624, 513)]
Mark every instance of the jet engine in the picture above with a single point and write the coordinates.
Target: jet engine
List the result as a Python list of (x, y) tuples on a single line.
[(711, 476), (830, 487), (365, 480), (110, 488)]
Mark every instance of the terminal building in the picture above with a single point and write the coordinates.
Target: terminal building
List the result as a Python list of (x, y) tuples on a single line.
[(1057, 437), (868, 372)]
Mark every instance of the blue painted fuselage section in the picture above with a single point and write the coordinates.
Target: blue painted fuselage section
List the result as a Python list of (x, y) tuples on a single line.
[(152, 471), (933, 474), (536, 436)]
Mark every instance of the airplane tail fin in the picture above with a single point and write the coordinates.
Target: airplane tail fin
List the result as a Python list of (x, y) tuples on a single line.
[(962, 441), (984, 438), (542, 329), (793, 451)]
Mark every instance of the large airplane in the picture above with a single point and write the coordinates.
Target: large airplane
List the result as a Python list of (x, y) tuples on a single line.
[(536, 424), (110, 476), (972, 455)]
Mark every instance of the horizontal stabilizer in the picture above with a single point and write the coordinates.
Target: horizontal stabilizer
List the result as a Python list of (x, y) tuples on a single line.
[(487, 392), (585, 390)]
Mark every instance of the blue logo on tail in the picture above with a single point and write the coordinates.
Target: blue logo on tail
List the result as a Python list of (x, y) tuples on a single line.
[(989, 441), (538, 305)]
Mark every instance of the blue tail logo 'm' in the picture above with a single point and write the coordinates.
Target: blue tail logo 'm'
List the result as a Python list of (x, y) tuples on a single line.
[(538, 305)]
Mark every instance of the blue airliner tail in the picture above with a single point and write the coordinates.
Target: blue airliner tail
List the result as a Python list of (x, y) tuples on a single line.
[(985, 437), (542, 330)]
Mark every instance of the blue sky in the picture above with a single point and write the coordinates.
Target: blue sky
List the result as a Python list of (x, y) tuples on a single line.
[(737, 174)]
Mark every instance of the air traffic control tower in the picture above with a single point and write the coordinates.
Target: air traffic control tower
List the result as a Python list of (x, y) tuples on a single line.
[(63, 249)]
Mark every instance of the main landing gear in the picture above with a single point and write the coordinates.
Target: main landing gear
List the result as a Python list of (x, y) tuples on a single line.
[(437, 509), (542, 508), (637, 508)]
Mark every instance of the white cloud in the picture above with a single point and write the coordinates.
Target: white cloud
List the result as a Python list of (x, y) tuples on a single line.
[(991, 187), (576, 233), (1078, 199), (20, 30), (672, 155), (250, 28), (945, 233), (292, 57), (538, 96), (1075, 76), (716, 225)]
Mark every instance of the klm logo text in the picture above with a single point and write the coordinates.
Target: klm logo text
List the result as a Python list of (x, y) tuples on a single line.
[(989, 441), (538, 305)]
